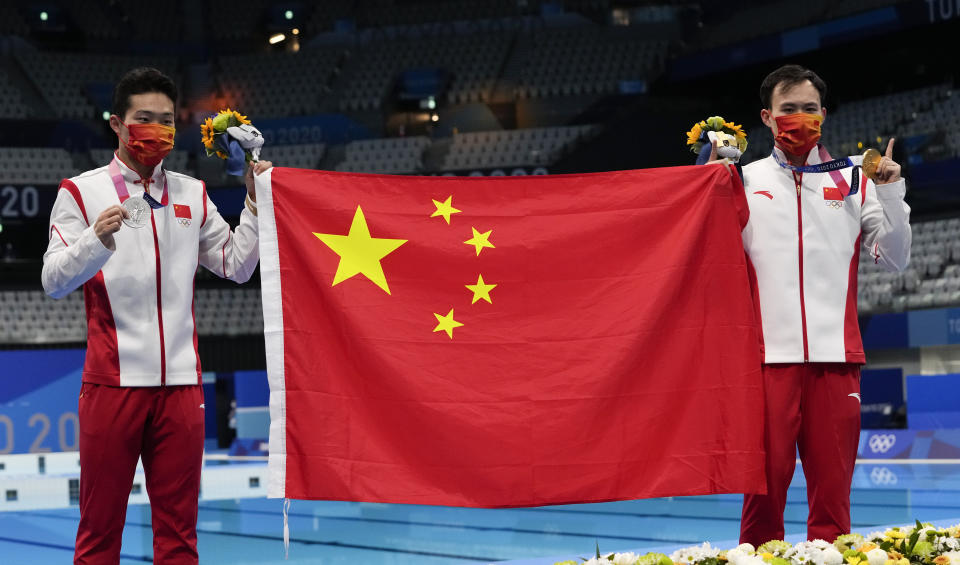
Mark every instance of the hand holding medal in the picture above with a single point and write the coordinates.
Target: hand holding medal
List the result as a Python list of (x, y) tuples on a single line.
[(138, 212), (881, 169)]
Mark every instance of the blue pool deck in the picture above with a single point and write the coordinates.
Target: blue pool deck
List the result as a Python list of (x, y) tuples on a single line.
[(249, 530)]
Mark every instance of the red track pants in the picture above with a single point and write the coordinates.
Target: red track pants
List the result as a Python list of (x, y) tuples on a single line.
[(814, 407), (164, 427)]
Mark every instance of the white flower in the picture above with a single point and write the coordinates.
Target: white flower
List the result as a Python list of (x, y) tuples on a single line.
[(945, 544), (694, 553), (877, 556), (831, 556), (875, 537), (631, 558), (808, 552), (738, 556), (746, 548), (749, 559), (954, 557)]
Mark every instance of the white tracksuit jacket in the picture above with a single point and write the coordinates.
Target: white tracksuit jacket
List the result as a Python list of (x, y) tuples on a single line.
[(803, 251), (139, 298)]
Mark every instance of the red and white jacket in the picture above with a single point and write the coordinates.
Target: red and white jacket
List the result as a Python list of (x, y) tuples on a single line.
[(141, 329), (803, 249)]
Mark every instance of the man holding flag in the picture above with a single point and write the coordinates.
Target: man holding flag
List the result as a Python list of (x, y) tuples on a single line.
[(809, 219), (132, 235)]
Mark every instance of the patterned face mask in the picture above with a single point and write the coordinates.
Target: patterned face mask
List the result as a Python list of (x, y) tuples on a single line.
[(149, 143), (797, 134)]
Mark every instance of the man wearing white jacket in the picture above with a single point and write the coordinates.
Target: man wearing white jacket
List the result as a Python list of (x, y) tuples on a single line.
[(132, 234), (810, 218)]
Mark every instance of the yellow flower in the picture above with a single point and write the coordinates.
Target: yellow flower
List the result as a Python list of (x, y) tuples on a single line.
[(867, 547), (895, 534), (240, 118), (941, 560), (767, 555), (854, 560), (737, 130), (694, 134), (226, 118), (206, 133)]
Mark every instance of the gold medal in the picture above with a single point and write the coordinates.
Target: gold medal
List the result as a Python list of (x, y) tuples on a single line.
[(871, 159)]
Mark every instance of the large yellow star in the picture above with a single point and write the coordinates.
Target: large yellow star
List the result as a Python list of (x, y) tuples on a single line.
[(481, 290), (446, 323), (359, 253), (444, 209), (480, 240)]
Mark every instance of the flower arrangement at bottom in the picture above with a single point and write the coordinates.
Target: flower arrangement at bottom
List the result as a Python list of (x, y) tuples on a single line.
[(921, 544)]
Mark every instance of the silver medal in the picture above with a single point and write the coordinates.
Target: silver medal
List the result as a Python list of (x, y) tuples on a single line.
[(139, 212)]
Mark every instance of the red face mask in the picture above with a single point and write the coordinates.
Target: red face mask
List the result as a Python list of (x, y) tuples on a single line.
[(148, 143), (797, 134)]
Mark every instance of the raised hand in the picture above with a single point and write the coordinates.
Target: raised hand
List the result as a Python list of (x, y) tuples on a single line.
[(888, 170)]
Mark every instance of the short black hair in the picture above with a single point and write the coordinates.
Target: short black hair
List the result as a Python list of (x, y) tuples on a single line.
[(140, 81), (789, 76)]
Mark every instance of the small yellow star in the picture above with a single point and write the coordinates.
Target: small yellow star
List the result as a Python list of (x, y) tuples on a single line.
[(481, 290), (444, 209), (480, 240), (446, 323)]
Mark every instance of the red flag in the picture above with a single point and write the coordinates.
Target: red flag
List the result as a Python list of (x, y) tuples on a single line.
[(832, 193), (511, 341), (182, 211)]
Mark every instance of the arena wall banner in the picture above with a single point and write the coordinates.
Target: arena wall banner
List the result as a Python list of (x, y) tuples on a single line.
[(509, 341), (38, 400)]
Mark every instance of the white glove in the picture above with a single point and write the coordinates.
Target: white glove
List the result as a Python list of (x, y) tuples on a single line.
[(726, 145), (249, 138)]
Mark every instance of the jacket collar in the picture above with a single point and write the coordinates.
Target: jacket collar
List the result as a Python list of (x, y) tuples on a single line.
[(133, 177), (813, 157)]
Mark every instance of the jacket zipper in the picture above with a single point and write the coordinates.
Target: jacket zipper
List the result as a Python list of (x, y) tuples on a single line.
[(798, 180), (163, 352)]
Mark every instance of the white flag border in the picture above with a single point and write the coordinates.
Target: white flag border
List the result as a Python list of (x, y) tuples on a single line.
[(273, 335)]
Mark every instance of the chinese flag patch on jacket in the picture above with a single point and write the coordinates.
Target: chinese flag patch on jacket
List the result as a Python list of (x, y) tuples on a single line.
[(182, 211), (832, 193)]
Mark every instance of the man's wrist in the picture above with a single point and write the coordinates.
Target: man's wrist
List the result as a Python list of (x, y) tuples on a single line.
[(251, 205)]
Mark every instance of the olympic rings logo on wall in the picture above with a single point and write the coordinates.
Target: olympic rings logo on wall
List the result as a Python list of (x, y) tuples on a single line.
[(883, 476), (882, 443)]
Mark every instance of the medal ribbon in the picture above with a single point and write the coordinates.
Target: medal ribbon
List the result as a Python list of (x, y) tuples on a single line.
[(828, 165), (121, 185)]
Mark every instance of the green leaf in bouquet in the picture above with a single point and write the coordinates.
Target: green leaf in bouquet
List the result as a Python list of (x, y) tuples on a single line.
[(912, 541), (922, 548), (776, 547), (715, 122), (854, 557), (848, 541), (222, 121), (653, 558)]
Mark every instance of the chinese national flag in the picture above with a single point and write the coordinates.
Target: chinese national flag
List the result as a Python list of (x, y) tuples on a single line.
[(832, 193), (181, 211), (509, 341)]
